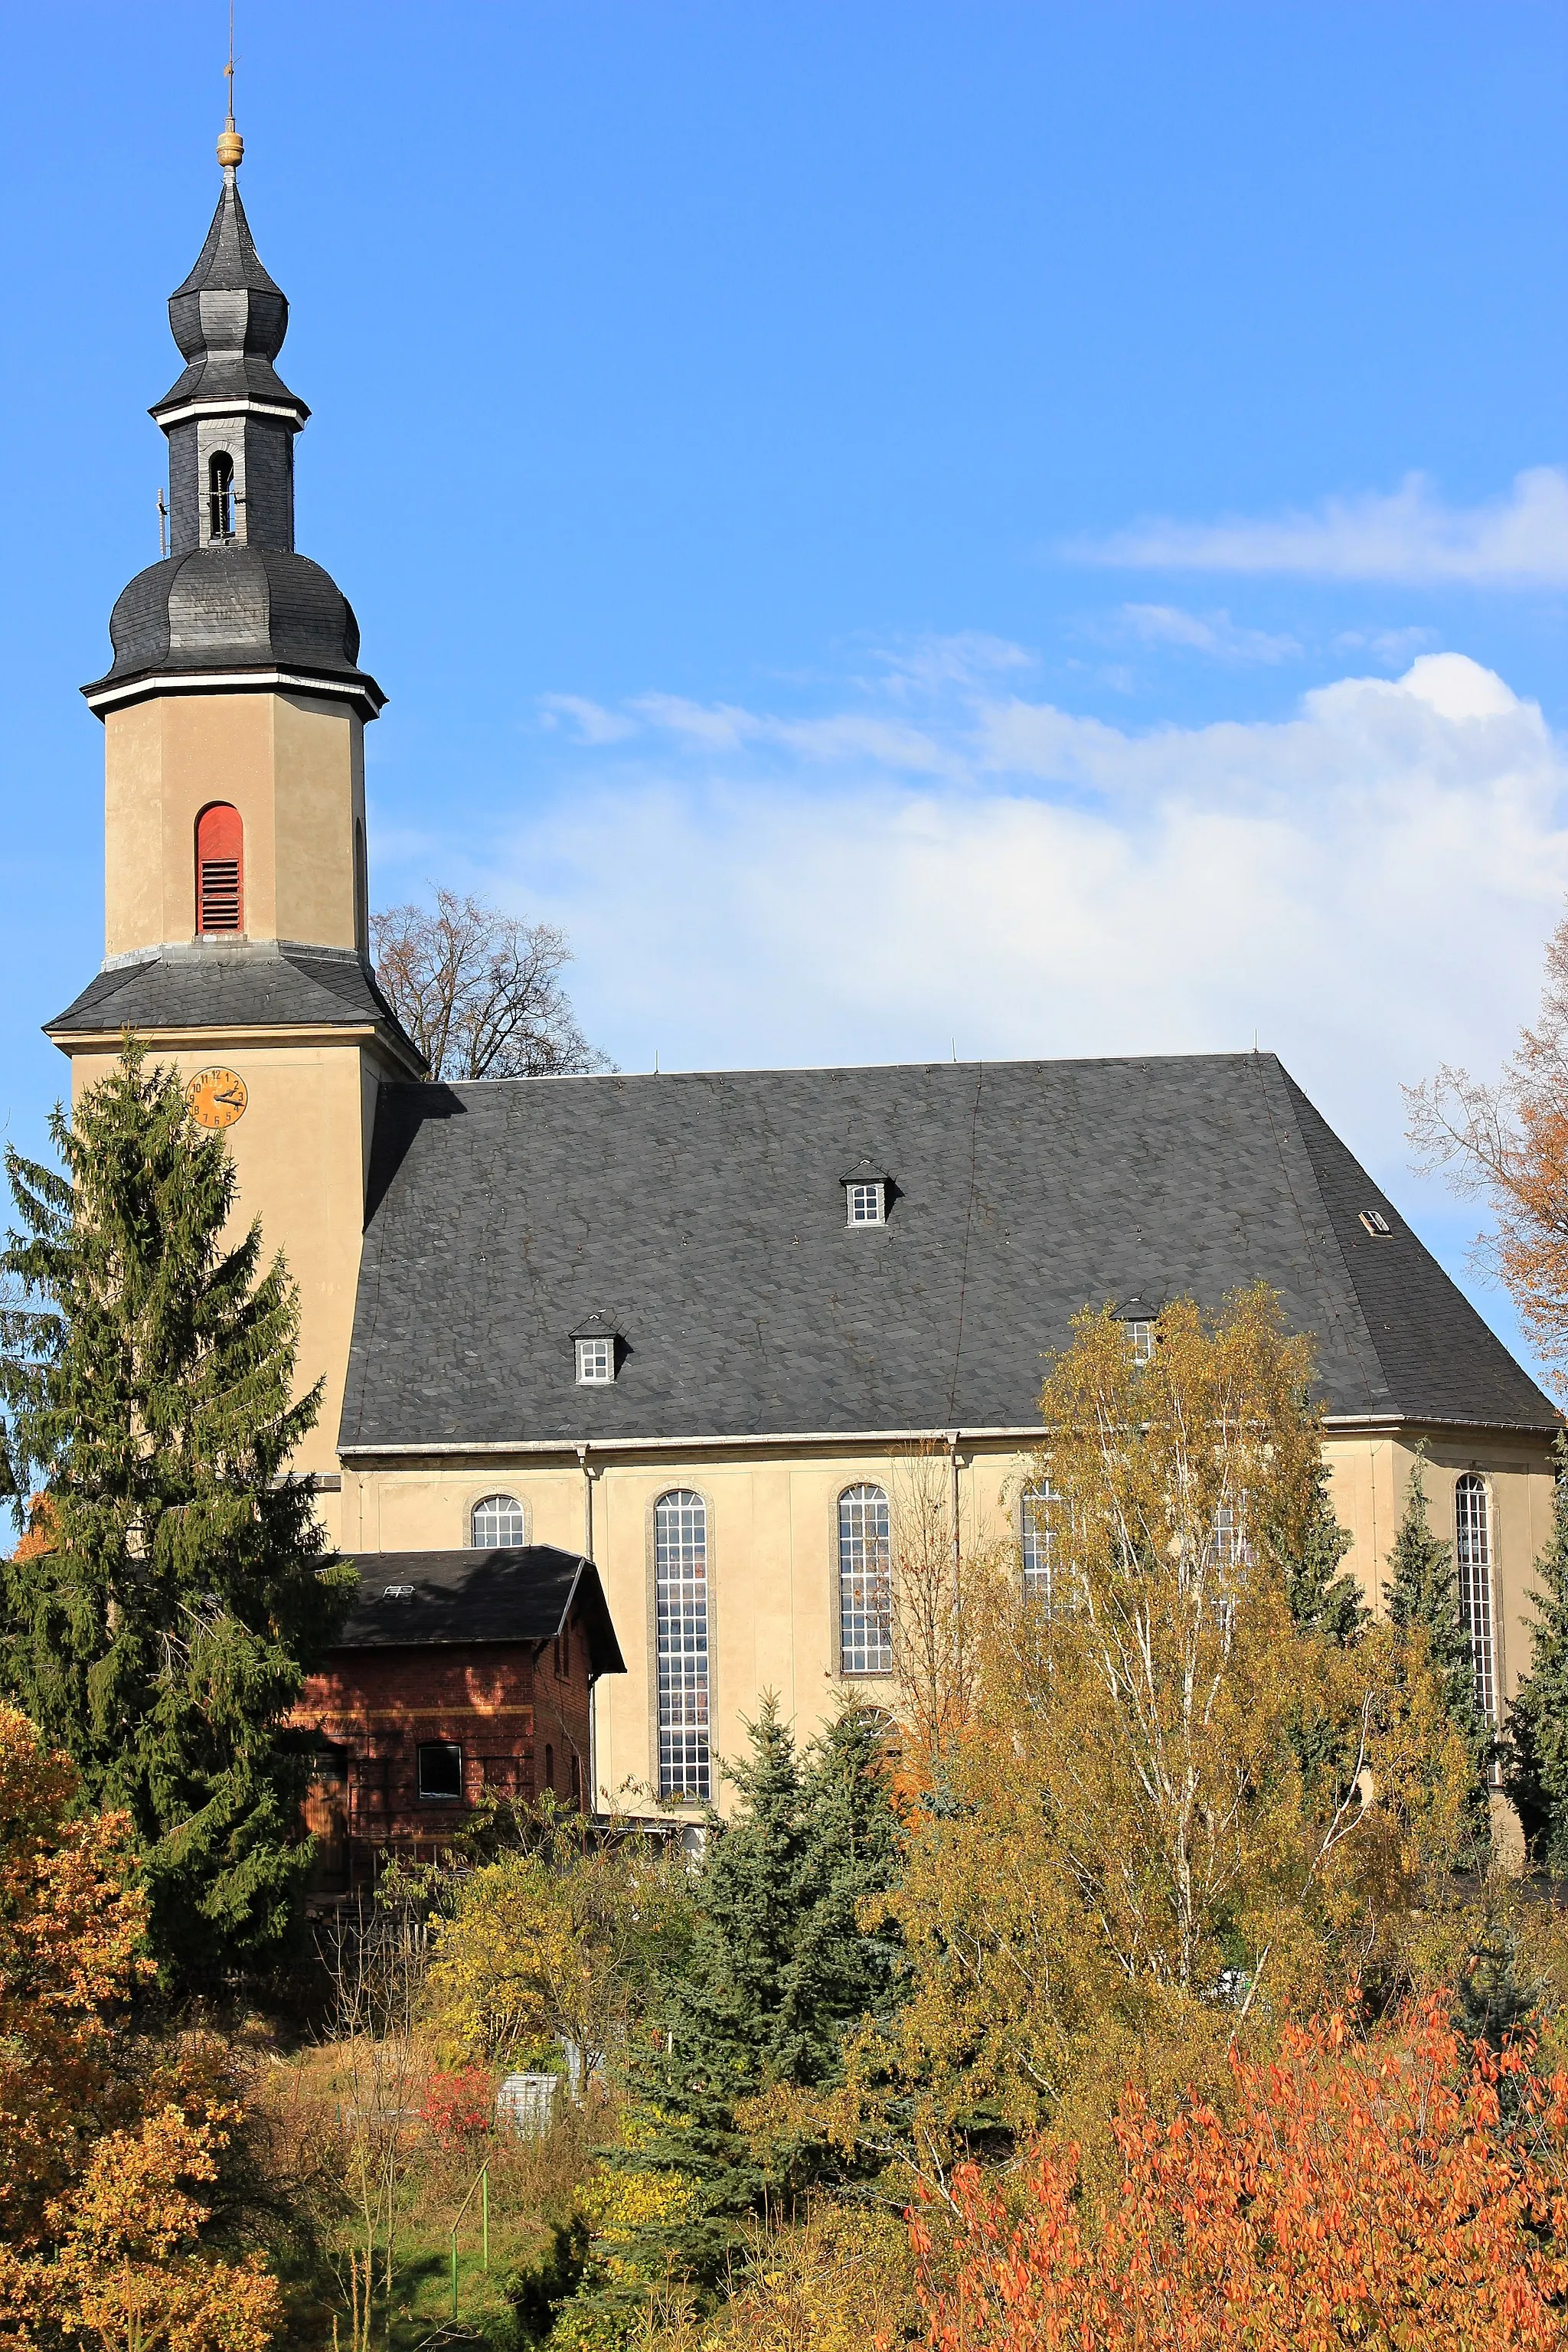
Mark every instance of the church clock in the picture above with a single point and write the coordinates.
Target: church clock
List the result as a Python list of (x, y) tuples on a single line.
[(217, 1097)]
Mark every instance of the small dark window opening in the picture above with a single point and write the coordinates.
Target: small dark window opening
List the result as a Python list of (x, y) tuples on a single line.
[(566, 1652), (1376, 1224), (441, 1771), (220, 495), (576, 1784), (220, 869), (550, 1768)]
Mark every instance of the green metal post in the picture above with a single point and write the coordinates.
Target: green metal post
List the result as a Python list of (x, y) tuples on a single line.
[(454, 2270), (485, 2210)]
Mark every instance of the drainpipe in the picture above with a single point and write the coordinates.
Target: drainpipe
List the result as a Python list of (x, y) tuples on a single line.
[(953, 1436), (592, 1679)]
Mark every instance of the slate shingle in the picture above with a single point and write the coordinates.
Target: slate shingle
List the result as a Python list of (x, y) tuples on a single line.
[(704, 1214)]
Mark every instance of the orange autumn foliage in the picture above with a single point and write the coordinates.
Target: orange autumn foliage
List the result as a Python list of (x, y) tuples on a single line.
[(105, 2148), (1363, 2193)]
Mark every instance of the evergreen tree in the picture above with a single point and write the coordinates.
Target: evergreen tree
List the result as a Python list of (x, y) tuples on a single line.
[(1535, 1744), (777, 1968), (1423, 1595), (1322, 1601), (177, 1585)]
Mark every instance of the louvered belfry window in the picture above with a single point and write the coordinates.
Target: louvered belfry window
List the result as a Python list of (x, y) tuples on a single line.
[(220, 869)]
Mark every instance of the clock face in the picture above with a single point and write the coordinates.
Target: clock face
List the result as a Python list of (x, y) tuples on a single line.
[(217, 1097)]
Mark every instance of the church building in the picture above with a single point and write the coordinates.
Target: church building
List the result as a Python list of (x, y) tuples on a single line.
[(629, 1379)]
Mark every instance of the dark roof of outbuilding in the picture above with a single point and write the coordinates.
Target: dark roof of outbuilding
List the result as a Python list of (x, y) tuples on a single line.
[(530, 1593), (704, 1217), (216, 986)]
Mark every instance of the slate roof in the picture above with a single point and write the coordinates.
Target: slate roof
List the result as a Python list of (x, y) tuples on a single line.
[(703, 1216), (530, 1593), (233, 607), (229, 319), (211, 986)]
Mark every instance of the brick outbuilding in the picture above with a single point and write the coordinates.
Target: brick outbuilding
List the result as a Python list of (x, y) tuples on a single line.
[(458, 1673)]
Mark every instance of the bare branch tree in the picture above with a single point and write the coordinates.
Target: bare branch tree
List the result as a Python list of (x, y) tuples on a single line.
[(935, 1579), (1508, 1143), (480, 991)]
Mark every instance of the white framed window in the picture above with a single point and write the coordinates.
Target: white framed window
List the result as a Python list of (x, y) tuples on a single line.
[(1473, 1555), (498, 1523), (1040, 1502), (865, 1581), (1232, 1545), (596, 1361), (867, 1202), (1140, 1339), (680, 1615)]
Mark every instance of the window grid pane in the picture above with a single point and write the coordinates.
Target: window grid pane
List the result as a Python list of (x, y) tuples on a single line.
[(681, 1612), (1040, 1540), (864, 1204), (1474, 1551), (593, 1361), (1232, 1544), (498, 1523), (1140, 1337), (865, 1582)]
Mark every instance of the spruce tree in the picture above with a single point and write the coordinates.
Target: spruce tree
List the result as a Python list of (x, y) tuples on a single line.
[(777, 1968), (1323, 1600), (1535, 1744), (1423, 1596), (177, 1587)]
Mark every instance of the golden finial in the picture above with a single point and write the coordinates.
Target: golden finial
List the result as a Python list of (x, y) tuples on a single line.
[(230, 145)]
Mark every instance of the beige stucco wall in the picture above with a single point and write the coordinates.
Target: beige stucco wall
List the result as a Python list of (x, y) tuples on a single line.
[(771, 1547), (300, 1152), (293, 766)]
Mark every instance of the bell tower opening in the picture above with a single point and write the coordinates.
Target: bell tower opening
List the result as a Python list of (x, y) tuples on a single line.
[(220, 495), (220, 869)]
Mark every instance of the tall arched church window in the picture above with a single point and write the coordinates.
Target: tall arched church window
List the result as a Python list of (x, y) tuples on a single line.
[(1473, 1554), (681, 1613), (865, 1582), (220, 869), (498, 1523), (1040, 1503), (220, 495)]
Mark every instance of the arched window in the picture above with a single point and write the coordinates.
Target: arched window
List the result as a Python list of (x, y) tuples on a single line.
[(865, 1582), (498, 1523), (550, 1768), (220, 495), (681, 1613), (220, 869), (1040, 1503), (1473, 1553)]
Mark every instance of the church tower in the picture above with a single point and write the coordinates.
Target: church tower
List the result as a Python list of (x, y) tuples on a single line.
[(237, 925)]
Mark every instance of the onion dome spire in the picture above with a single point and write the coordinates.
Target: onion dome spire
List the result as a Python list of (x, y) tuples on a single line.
[(232, 595)]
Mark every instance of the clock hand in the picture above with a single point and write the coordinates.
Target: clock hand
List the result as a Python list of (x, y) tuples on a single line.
[(227, 1094)]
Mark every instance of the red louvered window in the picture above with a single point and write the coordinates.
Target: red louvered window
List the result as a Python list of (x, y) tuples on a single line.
[(220, 869)]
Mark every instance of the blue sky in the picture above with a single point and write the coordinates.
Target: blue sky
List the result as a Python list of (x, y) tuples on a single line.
[(1040, 529)]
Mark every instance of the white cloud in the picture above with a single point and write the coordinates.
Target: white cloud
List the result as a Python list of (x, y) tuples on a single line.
[(1519, 540), (1212, 633), (1366, 883), (592, 722)]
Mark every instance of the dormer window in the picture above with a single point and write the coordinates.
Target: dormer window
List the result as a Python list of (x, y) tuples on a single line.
[(1376, 1224), (220, 495), (865, 1190), (1138, 1317), (595, 1351)]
